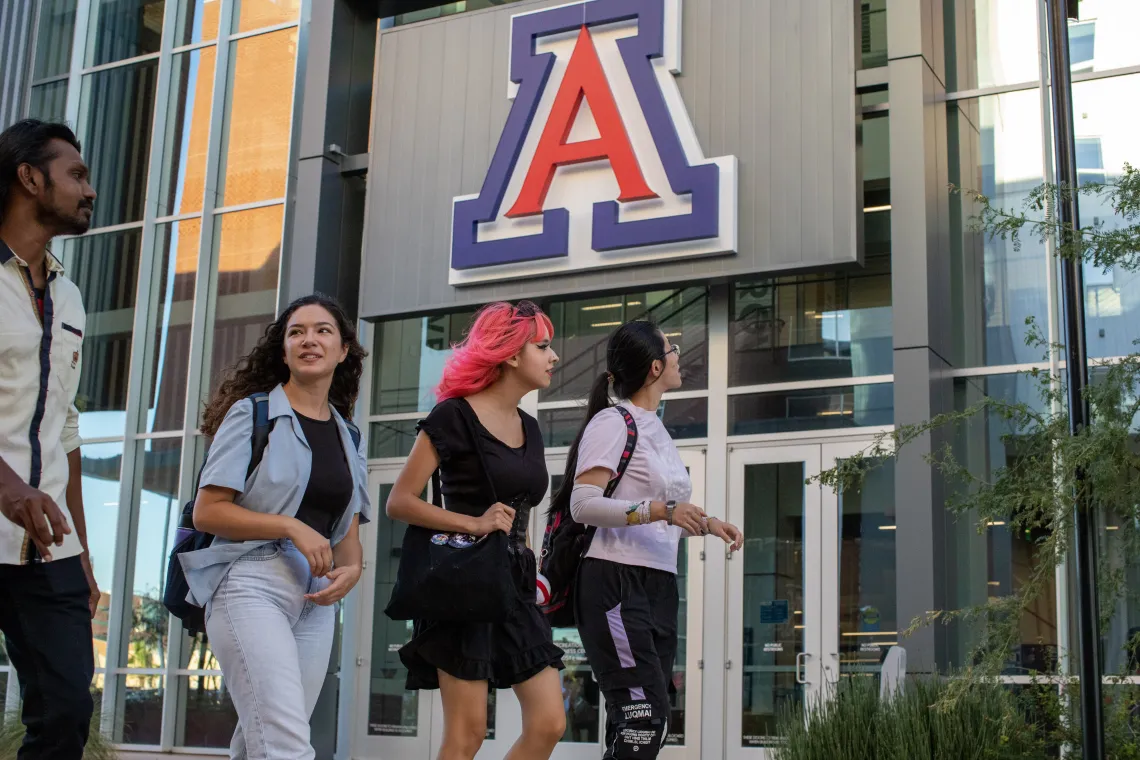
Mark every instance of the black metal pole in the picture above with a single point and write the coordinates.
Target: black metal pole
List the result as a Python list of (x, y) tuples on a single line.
[(1072, 290)]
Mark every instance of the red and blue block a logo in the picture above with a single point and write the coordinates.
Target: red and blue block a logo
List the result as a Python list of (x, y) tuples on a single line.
[(598, 164)]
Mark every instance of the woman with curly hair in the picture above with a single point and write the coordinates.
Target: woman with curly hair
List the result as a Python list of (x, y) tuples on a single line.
[(287, 545), (506, 355)]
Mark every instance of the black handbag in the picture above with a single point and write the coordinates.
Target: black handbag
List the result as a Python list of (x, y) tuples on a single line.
[(453, 577)]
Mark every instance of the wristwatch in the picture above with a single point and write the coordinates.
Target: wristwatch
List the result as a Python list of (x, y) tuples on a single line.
[(669, 507)]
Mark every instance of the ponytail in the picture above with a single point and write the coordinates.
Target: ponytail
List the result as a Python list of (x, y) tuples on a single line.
[(630, 354), (599, 400)]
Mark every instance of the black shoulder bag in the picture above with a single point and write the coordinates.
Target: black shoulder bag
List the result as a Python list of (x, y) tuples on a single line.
[(453, 577)]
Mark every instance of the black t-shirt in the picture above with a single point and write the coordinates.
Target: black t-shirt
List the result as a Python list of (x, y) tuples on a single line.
[(330, 481), (516, 473)]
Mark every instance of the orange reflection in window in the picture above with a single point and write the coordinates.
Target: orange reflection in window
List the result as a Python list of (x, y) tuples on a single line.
[(258, 124), (256, 14), (196, 96), (249, 243)]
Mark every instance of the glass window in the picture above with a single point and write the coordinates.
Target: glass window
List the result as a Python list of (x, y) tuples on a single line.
[(811, 409), (196, 21), (101, 463), (156, 489), (683, 418), (116, 107), (138, 719), (873, 33), (259, 118), (999, 561), (49, 101), (1090, 159), (207, 715), (182, 185), (197, 654), (812, 327), (1002, 157), (105, 268), (408, 357), (248, 252), (1119, 637), (122, 29), (54, 38), (1106, 139), (168, 325), (1103, 37), (391, 439), (256, 14), (583, 327), (1082, 44), (996, 44)]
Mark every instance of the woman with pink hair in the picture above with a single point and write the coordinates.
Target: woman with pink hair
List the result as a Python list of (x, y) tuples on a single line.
[(506, 355)]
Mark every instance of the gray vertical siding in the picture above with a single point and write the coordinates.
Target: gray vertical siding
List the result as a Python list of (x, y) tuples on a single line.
[(769, 81), (16, 19)]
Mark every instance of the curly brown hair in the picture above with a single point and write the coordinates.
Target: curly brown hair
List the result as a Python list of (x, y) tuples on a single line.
[(264, 368)]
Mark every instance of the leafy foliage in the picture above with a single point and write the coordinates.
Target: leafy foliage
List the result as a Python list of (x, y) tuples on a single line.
[(1034, 492)]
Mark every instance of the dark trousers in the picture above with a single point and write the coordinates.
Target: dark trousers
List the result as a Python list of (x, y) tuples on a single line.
[(47, 628), (627, 618)]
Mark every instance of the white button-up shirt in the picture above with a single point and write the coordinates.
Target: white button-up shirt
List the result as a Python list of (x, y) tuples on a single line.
[(40, 361)]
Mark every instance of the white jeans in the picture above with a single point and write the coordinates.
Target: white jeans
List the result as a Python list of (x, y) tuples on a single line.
[(274, 648)]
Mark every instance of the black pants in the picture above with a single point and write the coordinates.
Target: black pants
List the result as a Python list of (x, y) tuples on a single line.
[(47, 628), (627, 618)]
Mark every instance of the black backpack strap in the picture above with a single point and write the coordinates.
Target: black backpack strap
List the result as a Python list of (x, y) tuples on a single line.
[(627, 453), (259, 436)]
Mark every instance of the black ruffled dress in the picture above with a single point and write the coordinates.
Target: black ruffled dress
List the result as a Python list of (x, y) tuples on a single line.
[(511, 652)]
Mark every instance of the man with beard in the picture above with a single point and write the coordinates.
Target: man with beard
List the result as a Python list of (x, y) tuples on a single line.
[(48, 594)]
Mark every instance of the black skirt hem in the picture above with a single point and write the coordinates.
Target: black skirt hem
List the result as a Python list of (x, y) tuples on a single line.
[(423, 662)]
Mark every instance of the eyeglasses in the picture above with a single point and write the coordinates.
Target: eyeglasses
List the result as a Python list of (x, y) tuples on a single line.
[(674, 350)]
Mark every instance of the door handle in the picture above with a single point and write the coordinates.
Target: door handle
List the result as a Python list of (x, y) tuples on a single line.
[(800, 669)]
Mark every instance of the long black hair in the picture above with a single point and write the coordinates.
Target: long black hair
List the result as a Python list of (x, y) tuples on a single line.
[(630, 354), (264, 368)]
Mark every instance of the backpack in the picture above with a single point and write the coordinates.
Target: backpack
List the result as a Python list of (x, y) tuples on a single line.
[(566, 541), (189, 539)]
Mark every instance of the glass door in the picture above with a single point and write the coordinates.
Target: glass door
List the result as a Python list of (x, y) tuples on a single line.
[(774, 606), (585, 716), (812, 594), (389, 721), (860, 621)]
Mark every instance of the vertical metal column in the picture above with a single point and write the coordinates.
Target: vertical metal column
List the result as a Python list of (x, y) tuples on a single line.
[(1072, 290)]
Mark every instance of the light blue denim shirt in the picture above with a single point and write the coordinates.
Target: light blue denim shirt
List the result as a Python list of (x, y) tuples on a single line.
[(276, 487)]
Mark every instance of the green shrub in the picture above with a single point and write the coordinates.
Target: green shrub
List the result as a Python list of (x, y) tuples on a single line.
[(981, 721), (12, 736)]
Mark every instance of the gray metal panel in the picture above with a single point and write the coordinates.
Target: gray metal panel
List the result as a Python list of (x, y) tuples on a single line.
[(768, 81), (16, 19)]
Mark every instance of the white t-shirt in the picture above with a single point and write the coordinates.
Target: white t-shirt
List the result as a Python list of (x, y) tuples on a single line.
[(655, 472)]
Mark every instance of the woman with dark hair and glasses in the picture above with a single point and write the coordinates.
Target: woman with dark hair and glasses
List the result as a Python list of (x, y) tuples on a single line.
[(287, 544), (626, 601), (505, 355)]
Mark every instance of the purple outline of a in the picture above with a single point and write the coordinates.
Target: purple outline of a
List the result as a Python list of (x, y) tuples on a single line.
[(531, 72)]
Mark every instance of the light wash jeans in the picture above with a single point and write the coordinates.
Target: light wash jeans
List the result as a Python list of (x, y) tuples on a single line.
[(274, 648)]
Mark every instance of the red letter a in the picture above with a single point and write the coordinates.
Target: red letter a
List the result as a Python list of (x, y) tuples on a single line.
[(584, 79)]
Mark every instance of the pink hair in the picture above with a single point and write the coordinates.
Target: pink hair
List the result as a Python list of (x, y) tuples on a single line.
[(499, 332)]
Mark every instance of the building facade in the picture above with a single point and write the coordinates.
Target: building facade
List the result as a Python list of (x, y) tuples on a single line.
[(825, 286)]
